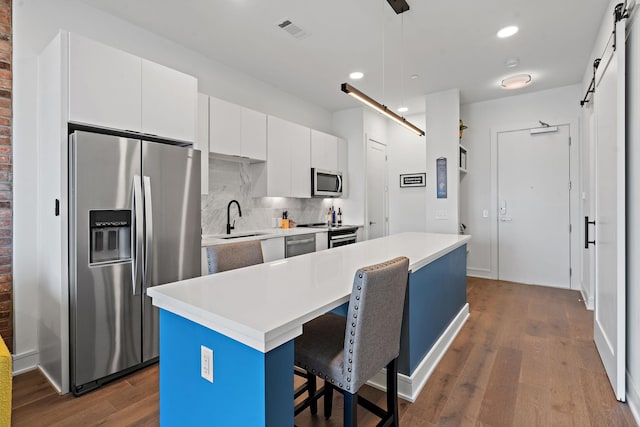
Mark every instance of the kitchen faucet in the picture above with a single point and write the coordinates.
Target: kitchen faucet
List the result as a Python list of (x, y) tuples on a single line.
[(229, 226)]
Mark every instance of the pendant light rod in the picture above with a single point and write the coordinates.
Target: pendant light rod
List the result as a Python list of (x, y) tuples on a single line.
[(365, 99)]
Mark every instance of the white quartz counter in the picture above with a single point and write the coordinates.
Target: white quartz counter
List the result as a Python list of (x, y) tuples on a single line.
[(269, 233), (265, 305)]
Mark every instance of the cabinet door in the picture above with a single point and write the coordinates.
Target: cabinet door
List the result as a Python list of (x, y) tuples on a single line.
[(273, 249), (202, 141), (324, 151), (254, 134), (169, 102), (279, 157), (104, 85), (300, 161), (322, 241), (343, 165), (225, 125)]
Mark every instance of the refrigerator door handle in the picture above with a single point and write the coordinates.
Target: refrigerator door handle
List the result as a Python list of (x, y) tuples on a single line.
[(148, 229), (136, 234)]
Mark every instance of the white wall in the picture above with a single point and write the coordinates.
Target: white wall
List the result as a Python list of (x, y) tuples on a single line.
[(442, 112), (554, 106), (36, 22), (407, 153), (633, 216)]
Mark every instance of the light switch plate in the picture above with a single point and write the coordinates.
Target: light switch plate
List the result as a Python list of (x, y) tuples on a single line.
[(206, 363), (485, 213)]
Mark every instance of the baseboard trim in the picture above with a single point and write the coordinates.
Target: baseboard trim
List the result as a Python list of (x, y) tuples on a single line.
[(482, 273), (409, 387), (25, 362), (51, 381), (633, 398), (588, 302)]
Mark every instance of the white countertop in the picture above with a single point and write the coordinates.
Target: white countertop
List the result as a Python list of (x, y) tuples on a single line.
[(265, 305), (268, 233)]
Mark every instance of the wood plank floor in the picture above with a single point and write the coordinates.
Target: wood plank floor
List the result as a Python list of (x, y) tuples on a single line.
[(525, 357)]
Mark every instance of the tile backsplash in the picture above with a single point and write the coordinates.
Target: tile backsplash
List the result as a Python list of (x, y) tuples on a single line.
[(231, 180)]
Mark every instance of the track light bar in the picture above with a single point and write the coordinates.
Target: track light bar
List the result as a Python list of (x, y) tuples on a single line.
[(350, 90)]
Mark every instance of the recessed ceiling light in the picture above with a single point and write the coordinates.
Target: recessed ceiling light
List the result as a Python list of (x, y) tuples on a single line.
[(403, 109), (356, 75), (414, 76), (516, 82), (507, 31), (512, 62)]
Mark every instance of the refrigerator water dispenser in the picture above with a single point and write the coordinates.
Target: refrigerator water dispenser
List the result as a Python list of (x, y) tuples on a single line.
[(110, 232)]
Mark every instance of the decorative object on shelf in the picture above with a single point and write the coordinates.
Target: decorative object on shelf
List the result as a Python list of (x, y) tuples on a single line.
[(441, 177), (413, 180), (462, 128)]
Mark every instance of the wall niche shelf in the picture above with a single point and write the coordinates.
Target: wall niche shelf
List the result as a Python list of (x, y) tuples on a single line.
[(462, 160)]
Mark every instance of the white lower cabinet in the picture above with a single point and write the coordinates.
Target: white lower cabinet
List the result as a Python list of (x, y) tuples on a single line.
[(322, 241), (273, 249)]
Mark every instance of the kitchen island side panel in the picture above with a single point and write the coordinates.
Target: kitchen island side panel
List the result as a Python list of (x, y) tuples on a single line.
[(250, 388), (436, 294)]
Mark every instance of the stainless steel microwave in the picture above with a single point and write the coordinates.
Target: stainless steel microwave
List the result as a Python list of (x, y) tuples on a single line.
[(326, 183)]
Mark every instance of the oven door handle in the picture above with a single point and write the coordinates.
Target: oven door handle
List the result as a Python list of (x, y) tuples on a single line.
[(344, 237)]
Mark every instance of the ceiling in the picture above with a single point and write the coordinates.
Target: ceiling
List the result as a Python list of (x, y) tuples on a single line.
[(447, 44)]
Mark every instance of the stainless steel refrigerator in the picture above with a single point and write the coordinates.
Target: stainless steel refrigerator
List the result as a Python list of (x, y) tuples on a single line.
[(134, 222)]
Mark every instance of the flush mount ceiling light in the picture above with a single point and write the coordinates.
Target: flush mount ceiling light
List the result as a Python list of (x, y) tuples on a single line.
[(356, 75), (348, 89), (516, 82), (403, 109), (507, 31)]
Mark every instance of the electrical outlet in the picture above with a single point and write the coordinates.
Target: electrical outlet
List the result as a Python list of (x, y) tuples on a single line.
[(206, 363), (485, 213), (442, 215)]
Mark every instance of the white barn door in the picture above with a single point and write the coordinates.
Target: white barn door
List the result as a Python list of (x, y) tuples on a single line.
[(610, 254)]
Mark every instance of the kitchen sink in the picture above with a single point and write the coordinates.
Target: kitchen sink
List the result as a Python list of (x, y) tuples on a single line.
[(238, 236)]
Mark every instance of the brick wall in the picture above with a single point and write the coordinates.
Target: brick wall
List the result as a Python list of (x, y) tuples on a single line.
[(6, 174)]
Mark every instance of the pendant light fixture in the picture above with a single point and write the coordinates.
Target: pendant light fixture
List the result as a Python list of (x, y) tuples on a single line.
[(399, 6)]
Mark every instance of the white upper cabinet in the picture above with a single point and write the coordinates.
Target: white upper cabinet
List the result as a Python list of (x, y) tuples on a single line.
[(253, 134), (225, 124), (169, 102), (324, 151), (114, 89), (343, 165), (237, 131), (104, 85), (300, 161), (202, 141), (287, 171)]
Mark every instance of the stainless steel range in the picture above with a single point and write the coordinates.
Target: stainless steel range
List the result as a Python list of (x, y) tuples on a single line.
[(338, 235)]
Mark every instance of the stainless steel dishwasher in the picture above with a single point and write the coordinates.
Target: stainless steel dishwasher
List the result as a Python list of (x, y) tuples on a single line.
[(298, 245)]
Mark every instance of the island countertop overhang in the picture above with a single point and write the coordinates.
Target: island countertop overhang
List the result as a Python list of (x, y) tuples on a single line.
[(265, 305)]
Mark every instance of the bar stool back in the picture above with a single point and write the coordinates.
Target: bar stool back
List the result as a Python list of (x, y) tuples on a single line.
[(347, 352), (234, 255)]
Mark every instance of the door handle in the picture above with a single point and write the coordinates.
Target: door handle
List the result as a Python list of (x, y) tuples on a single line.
[(371, 222), (505, 219), (136, 234), (588, 242), (148, 229)]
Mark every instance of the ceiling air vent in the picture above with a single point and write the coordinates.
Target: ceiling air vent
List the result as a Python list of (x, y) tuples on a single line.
[(293, 29)]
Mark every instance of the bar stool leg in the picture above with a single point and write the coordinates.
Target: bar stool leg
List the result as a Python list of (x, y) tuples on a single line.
[(350, 409), (328, 399), (311, 380), (392, 391)]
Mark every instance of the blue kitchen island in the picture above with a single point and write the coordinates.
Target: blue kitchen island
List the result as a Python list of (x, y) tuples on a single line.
[(249, 318)]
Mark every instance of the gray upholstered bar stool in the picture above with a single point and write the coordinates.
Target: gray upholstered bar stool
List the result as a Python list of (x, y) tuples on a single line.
[(347, 352), (234, 255)]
